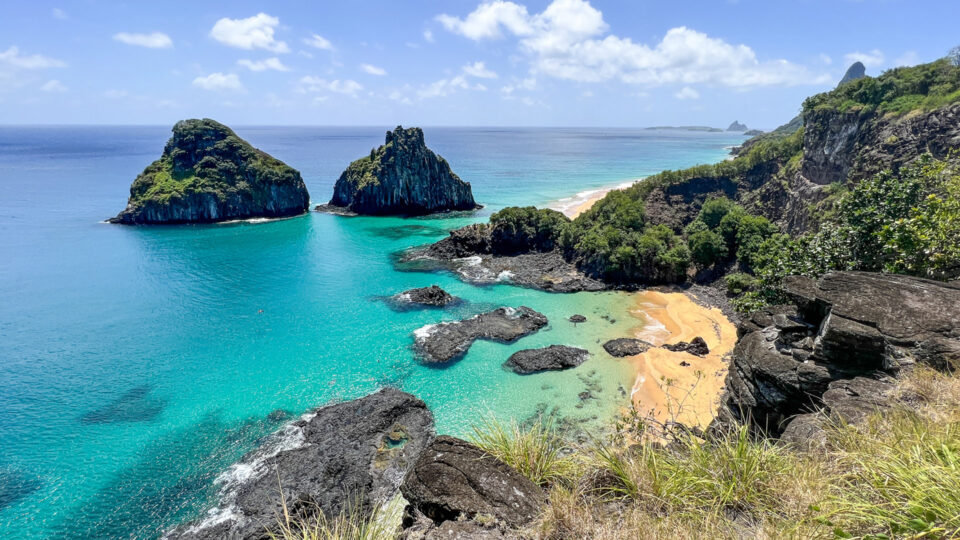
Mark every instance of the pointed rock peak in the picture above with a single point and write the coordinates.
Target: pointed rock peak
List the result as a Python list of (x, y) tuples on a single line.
[(406, 137), (856, 71), (737, 126)]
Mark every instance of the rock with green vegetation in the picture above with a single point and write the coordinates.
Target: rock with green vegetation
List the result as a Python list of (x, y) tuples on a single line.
[(208, 174), (402, 177)]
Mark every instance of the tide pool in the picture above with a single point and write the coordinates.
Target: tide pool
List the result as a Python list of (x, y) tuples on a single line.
[(136, 364)]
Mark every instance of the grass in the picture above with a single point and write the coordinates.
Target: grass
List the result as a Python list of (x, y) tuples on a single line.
[(382, 523), (537, 451)]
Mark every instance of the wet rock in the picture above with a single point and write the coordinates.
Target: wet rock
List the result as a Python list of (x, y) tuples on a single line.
[(576, 319), (621, 347), (552, 358), (402, 177), (324, 461), (697, 347), (427, 296), (454, 480), (442, 342)]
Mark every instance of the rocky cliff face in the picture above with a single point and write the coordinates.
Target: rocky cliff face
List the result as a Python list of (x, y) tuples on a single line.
[(402, 177), (208, 174), (856, 71), (845, 335)]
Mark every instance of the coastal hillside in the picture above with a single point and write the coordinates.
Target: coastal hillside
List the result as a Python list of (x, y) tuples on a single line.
[(401, 177), (207, 174)]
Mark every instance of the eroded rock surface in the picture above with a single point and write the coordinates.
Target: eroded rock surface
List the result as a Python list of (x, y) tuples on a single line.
[(326, 460), (454, 480), (552, 358), (697, 347), (427, 296), (621, 347), (442, 342)]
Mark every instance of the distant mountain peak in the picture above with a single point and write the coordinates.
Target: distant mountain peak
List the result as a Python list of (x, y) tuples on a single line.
[(856, 71), (737, 126)]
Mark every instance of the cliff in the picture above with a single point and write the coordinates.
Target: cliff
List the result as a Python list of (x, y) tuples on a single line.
[(737, 126), (207, 174), (402, 177)]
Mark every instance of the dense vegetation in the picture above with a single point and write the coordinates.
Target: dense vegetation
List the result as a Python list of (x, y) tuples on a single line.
[(204, 156), (898, 91)]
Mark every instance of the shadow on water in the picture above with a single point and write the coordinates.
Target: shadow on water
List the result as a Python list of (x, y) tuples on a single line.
[(405, 231), (134, 405), (16, 485), (172, 482)]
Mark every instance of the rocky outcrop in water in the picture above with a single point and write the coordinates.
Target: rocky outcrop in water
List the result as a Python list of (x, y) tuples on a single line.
[(208, 174), (621, 347), (737, 126), (428, 296), (353, 451), (442, 342), (454, 480), (402, 177), (697, 347), (846, 331), (552, 358)]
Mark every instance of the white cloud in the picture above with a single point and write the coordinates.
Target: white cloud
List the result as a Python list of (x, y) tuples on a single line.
[(316, 84), (428, 36), (443, 87), (372, 70), (825, 58), (399, 97), (479, 70), (687, 93), (218, 81), (59, 14), (528, 83), (251, 33), (154, 40), (318, 42), (53, 85), (569, 40), (12, 57), (909, 58), (263, 65), (872, 58)]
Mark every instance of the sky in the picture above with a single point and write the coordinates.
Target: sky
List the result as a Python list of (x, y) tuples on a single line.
[(628, 63)]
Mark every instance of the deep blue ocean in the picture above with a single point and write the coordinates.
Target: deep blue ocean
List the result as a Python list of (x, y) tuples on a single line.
[(137, 363)]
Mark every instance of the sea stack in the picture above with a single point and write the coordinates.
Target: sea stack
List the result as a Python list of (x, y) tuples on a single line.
[(208, 174), (402, 177)]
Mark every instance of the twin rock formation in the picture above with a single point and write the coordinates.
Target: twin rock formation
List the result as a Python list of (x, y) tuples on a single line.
[(208, 174)]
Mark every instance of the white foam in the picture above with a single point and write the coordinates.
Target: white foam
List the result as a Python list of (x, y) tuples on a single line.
[(568, 205), (421, 334), (506, 275)]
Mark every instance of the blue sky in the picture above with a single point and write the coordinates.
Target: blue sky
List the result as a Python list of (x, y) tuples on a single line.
[(477, 62)]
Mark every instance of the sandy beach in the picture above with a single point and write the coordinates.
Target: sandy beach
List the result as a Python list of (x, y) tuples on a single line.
[(679, 386), (577, 204)]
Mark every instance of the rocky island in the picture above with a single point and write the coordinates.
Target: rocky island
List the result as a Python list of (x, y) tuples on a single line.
[(402, 177), (208, 174)]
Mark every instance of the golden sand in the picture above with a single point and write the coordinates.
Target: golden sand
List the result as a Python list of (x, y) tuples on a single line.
[(665, 389), (577, 210)]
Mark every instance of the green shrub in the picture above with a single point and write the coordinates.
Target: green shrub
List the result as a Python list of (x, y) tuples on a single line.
[(707, 248), (516, 229), (738, 283)]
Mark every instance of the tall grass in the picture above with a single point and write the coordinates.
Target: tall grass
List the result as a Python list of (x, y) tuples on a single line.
[(537, 451), (353, 523)]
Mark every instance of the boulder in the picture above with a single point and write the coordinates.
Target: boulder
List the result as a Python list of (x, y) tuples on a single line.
[(552, 358), (621, 347), (427, 296), (324, 461), (577, 319), (697, 347), (836, 348), (454, 480), (442, 342), (208, 174), (402, 177), (424, 529)]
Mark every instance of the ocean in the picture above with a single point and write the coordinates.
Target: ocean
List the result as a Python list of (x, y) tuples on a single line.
[(138, 363)]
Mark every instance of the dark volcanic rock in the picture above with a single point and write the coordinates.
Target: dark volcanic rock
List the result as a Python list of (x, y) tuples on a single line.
[(424, 529), (442, 342), (552, 358), (846, 334), (576, 319), (856, 71), (697, 347), (454, 479), (326, 460), (428, 296), (402, 177), (621, 347), (208, 174)]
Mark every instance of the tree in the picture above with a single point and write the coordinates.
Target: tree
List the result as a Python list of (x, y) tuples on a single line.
[(706, 248), (954, 56)]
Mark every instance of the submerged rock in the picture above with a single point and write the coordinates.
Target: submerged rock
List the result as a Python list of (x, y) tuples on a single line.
[(847, 333), (442, 342), (621, 347), (324, 462), (427, 296), (552, 358), (454, 480), (402, 177), (697, 347), (207, 174), (576, 319)]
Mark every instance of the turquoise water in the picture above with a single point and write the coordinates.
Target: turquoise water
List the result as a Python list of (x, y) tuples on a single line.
[(136, 363)]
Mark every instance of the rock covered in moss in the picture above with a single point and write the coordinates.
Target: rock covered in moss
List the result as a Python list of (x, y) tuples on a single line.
[(402, 177), (208, 174)]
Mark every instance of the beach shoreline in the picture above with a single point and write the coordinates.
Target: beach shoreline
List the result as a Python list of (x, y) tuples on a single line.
[(577, 204)]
